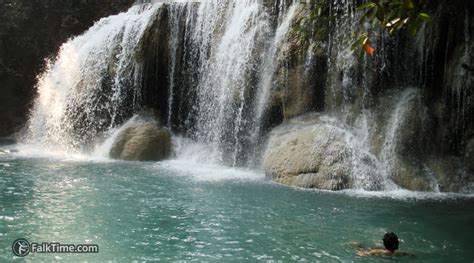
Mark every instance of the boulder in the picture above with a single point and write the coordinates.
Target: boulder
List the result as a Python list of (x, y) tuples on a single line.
[(310, 156), (142, 141)]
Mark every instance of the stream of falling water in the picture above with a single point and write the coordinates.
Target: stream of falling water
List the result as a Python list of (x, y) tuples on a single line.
[(266, 83), (231, 46), (231, 50), (91, 84), (388, 154)]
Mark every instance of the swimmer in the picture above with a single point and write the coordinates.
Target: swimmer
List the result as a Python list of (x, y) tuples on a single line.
[(390, 242)]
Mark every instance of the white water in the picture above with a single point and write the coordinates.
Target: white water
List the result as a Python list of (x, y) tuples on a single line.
[(230, 55), (388, 154), (364, 163), (95, 85), (370, 170), (270, 63), (83, 91), (340, 56), (233, 33), (176, 13), (103, 149)]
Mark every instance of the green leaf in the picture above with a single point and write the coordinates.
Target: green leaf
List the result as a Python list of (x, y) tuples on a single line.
[(366, 6), (424, 16), (371, 13), (360, 42)]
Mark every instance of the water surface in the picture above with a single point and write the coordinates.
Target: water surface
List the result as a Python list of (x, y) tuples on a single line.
[(178, 210)]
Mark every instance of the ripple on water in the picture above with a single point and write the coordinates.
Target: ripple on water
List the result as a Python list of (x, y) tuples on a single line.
[(147, 211)]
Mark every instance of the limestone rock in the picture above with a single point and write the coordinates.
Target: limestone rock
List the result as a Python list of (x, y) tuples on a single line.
[(142, 141), (411, 177), (312, 156)]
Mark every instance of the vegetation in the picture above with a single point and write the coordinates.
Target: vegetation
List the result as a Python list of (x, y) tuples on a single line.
[(391, 15), (315, 26)]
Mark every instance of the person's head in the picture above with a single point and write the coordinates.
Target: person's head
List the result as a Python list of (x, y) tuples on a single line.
[(390, 241)]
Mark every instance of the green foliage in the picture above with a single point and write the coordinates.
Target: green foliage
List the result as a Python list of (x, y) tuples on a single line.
[(315, 26), (391, 15)]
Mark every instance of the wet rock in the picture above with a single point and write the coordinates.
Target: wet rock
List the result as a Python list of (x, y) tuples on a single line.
[(142, 141), (310, 156), (469, 154), (411, 177), (7, 141), (300, 73), (449, 173)]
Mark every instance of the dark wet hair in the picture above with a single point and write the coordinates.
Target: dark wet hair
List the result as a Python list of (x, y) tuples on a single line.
[(390, 241)]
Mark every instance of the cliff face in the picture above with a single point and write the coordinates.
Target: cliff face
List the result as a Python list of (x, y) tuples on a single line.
[(31, 31), (410, 106), (225, 74), (405, 114)]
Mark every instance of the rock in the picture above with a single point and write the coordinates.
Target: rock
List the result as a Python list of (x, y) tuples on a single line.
[(142, 141), (310, 156), (413, 137), (469, 155), (412, 177), (449, 173), (6, 141), (300, 73)]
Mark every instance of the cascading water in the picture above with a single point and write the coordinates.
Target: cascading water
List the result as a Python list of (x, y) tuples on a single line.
[(270, 62), (223, 61), (228, 73), (96, 82), (232, 51), (388, 153), (93, 84), (206, 84), (341, 81)]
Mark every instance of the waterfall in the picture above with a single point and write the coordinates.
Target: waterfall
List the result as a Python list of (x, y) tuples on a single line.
[(341, 81), (92, 85), (215, 71), (230, 56), (222, 60), (177, 12), (227, 72), (270, 63), (267, 74), (389, 146)]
